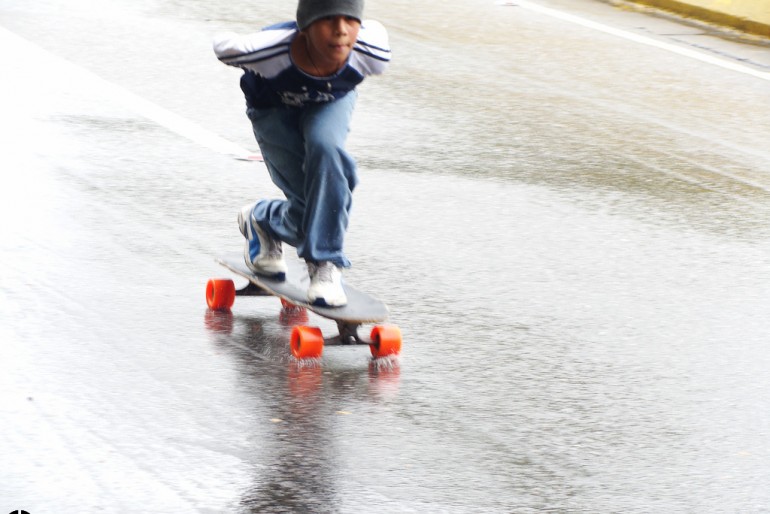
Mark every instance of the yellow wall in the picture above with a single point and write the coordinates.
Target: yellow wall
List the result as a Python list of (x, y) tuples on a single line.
[(757, 10), (751, 16)]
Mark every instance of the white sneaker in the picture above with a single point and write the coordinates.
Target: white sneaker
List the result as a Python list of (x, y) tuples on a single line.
[(325, 285), (262, 253)]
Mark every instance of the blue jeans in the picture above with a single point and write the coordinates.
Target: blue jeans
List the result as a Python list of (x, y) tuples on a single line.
[(304, 150)]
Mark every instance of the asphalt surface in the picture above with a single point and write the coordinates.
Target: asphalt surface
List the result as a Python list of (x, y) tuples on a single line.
[(564, 204)]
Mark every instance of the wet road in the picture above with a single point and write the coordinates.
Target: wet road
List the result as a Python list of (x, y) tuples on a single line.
[(570, 226)]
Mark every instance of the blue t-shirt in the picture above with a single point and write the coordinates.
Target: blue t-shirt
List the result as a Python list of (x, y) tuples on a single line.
[(272, 79)]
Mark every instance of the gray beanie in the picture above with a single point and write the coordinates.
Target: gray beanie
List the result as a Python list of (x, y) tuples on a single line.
[(309, 11)]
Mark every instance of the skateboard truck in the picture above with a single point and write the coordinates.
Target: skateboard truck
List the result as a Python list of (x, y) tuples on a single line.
[(309, 342), (348, 335), (252, 289)]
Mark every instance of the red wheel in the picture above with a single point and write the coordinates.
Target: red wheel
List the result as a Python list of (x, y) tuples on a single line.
[(295, 316), (386, 340), (286, 304), (220, 294), (306, 342)]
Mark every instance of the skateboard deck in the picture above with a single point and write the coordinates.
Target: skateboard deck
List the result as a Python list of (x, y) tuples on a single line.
[(361, 307), (307, 341)]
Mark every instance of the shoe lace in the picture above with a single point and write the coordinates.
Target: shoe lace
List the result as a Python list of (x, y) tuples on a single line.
[(321, 272), (274, 248)]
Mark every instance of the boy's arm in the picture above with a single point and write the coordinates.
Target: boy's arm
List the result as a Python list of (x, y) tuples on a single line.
[(372, 50), (227, 46), (250, 51)]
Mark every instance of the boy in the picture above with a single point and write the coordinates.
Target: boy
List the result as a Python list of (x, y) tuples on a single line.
[(299, 81)]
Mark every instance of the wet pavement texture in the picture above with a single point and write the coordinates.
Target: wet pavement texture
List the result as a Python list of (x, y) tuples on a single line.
[(570, 228)]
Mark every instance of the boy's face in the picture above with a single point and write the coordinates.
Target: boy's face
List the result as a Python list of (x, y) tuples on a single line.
[(333, 37)]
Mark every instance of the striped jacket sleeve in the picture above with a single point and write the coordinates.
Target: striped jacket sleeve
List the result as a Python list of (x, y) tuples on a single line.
[(371, 53), (260, 52)]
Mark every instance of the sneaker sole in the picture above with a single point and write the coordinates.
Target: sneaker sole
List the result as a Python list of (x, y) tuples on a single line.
[(320, 302)]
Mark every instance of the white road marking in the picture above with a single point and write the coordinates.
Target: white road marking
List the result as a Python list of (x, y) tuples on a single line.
[(631, 36), (141, 106)]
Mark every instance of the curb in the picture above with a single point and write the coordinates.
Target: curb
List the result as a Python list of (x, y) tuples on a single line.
[(725, 19)]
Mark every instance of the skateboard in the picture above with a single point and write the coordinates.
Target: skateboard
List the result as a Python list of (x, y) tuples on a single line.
[(308, 342)]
